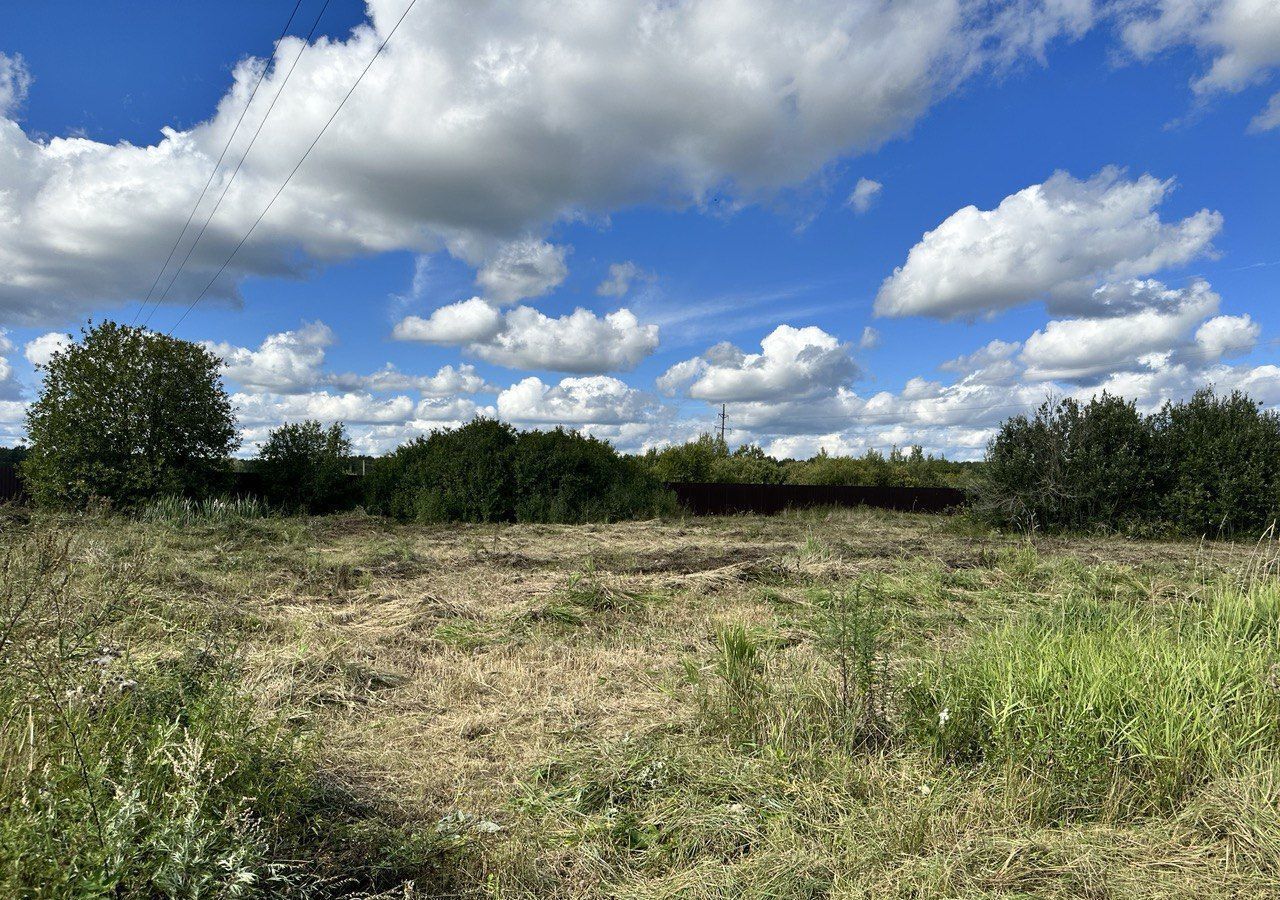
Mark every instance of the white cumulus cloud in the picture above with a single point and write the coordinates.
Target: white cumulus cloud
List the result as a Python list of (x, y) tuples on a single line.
[(40, 350), (1269, 118), (1227, 336), (272, 409), (292, 362), (448, 380), (524, 338), (288, 362), (621, 276), (1240, 38), (521, 269), (1057, 241), (1077, 349), (15, 80), (596, 399), (479, 126), (458, 323), (580, 342), (9, 387), (792, 363)]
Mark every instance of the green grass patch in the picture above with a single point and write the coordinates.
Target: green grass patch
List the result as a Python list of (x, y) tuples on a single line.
[(1108, 708)]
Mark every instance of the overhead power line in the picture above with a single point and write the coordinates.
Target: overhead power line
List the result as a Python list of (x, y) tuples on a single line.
[(294, 171), (236, 171), (214, 171)]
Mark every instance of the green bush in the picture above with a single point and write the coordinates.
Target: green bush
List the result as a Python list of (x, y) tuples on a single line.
[(747, 465), (914, 468), (1209, 465), (307, 468), (486, 471), (1113, 708), (708, 459), (560, 476), (12, 456), (1071, 466), (453, 475), (125, 415), (1220, 459), (694, 461)]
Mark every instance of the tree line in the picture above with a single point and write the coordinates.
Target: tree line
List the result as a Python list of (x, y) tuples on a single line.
[(127, 415), (709, 459)]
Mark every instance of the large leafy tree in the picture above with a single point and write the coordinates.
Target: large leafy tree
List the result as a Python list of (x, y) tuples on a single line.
[(126, 414)]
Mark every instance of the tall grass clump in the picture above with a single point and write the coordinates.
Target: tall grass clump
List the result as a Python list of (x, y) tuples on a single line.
[(754, 697), (851, 633), (734, 694), (1110, 709), (132, 778), (175, 510)]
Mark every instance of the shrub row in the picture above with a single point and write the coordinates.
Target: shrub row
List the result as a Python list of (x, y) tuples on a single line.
[(708, 459), (1209, 465)]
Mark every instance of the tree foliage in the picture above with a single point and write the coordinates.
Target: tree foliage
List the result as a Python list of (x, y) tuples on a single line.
[(562, 476), (912, 468), (1209, 465), (127, 414), (305, 467), (693, 461), (1220, 459), (452, 475), (1072, 465), (708, 459), (486, 471)]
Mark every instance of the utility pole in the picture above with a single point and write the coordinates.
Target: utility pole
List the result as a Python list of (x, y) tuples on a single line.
[(724, 418)]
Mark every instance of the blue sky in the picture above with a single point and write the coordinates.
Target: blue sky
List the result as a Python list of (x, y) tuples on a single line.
[(1057, 197)]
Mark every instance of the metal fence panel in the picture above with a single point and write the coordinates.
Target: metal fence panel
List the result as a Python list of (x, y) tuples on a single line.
[(708, 498), (700, 498), (11, 488)]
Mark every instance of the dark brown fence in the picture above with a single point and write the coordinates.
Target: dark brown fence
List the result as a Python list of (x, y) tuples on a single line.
[(703, 498), (698, 497), (11, 488)]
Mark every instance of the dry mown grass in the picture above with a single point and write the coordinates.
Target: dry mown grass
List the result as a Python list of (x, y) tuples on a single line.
[(546, 688)]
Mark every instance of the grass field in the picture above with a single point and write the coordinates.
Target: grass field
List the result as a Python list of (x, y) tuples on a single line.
[(839, 704)]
